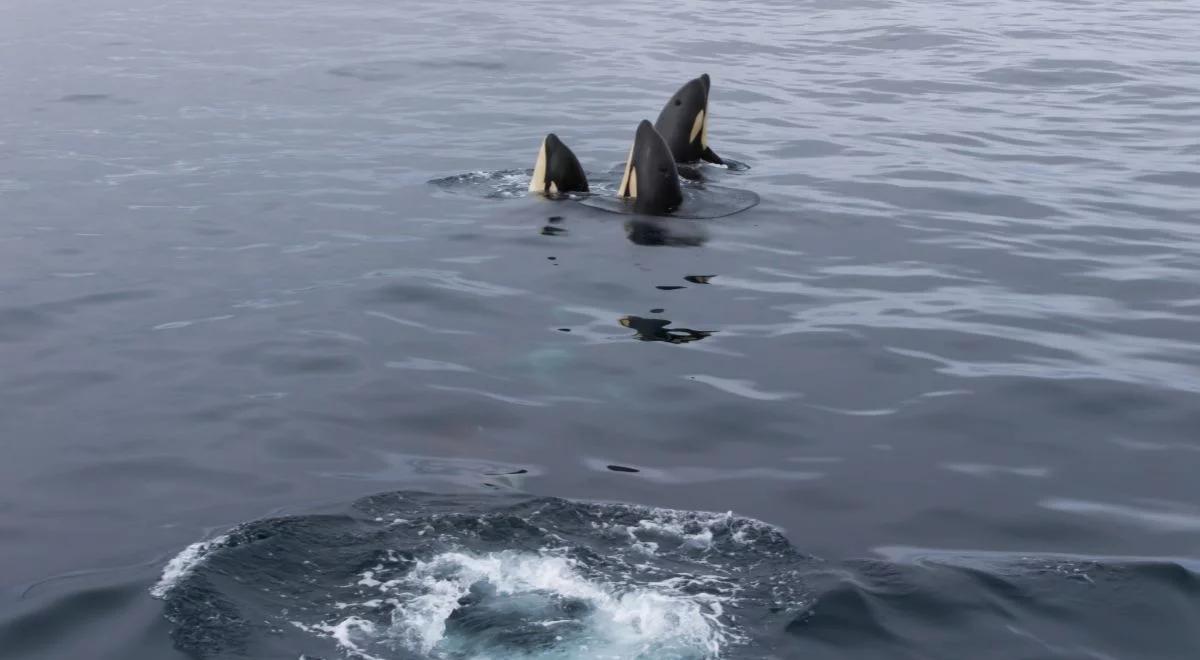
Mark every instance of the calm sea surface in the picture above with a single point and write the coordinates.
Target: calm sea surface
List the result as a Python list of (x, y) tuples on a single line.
[(951, 362)]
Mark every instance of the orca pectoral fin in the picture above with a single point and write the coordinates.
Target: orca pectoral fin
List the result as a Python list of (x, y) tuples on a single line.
[(689, 172), (711, 157)]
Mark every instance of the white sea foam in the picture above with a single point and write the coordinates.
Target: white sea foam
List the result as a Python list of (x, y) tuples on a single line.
[(348, 633), (626, 622), (695, 539), (183, 564)]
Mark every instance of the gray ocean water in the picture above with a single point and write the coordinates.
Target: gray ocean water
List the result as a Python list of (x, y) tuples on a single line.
[(952, 359)]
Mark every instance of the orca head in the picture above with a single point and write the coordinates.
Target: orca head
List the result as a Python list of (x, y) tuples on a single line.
[(683, 122), (651, 179), (557, 170)]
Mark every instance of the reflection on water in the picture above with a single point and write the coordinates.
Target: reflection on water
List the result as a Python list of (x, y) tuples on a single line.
[(554, 226), (659, 231), (648, 329)]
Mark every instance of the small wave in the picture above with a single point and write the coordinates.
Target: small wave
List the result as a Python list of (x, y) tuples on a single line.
[(1175, 519), (740, 387), (182, 564), (499, 184), (934, 603)]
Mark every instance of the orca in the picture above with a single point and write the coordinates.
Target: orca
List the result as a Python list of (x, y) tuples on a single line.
[(651, 179), (557, 170), (683, 123)]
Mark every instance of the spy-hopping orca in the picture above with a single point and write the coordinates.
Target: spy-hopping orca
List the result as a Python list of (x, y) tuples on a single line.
[(683, 123), (557, 169), (651, 179), (650, 184)]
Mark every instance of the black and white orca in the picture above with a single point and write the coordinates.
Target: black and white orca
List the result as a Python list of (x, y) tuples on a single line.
[(557, 170), (651, 179), (651, 176), (683, 123)]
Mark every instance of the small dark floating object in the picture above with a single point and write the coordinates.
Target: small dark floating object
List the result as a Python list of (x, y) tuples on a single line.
[(622, 468)]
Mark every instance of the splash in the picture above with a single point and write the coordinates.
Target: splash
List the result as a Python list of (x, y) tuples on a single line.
[(510, 604), (405, 576), (182, 565)]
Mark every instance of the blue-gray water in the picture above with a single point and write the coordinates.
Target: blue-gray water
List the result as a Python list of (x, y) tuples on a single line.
[(952, 357)]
